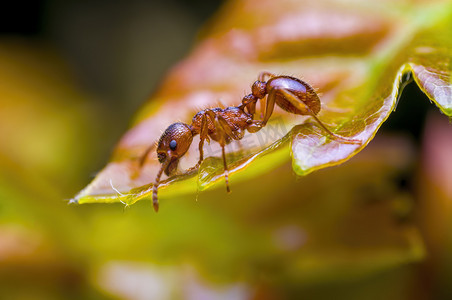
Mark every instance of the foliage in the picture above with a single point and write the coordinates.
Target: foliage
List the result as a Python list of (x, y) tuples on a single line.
[(351, 232), (358, 57)]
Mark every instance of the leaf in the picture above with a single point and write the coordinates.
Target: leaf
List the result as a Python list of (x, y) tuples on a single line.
[(358, 57)]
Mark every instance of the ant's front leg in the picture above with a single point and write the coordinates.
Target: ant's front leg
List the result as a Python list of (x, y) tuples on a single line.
[(295, 101), (141, 161), (204, 135), (144, 156)]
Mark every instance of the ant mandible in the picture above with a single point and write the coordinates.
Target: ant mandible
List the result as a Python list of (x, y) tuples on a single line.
[(224, 125)]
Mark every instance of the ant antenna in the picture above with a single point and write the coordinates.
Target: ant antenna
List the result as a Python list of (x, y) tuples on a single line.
[(155, 201)]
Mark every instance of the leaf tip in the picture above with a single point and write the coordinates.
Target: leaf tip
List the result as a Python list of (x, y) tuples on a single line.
[(300, 170), (73, 201)]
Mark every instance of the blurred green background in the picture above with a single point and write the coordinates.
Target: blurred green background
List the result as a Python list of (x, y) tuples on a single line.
[(73, 73)]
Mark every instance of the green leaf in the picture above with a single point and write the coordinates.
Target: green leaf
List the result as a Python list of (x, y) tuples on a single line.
[(358, 57)]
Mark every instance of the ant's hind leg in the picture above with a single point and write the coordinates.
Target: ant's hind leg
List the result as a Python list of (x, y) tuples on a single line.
[(264, 74), (295, 101), (269, 106), (261, 78)]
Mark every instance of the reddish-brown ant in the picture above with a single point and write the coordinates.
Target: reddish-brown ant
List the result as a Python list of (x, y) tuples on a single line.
[(224, 125)]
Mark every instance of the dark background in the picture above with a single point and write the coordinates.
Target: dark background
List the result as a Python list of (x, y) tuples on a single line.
[(117, 50)]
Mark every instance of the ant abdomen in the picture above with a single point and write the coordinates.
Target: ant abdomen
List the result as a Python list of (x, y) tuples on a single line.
[(281, 85)]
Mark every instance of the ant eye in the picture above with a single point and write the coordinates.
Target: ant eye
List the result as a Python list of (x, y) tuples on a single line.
[(173, 145)]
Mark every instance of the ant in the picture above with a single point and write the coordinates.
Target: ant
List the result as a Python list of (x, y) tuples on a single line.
[(224, 125)]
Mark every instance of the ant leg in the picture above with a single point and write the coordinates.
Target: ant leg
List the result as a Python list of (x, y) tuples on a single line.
[(224, 130), (226, 171), (222, 124), (252, 108), (261, 78), (263, 74), (141, 160), (262, 107), (295, 101), (255, 126), (270, 105), (155, 187), (235, 135), (204, 134), (144, 156)]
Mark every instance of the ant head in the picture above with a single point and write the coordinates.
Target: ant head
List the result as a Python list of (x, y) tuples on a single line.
[(173, 144), (259, 89)]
